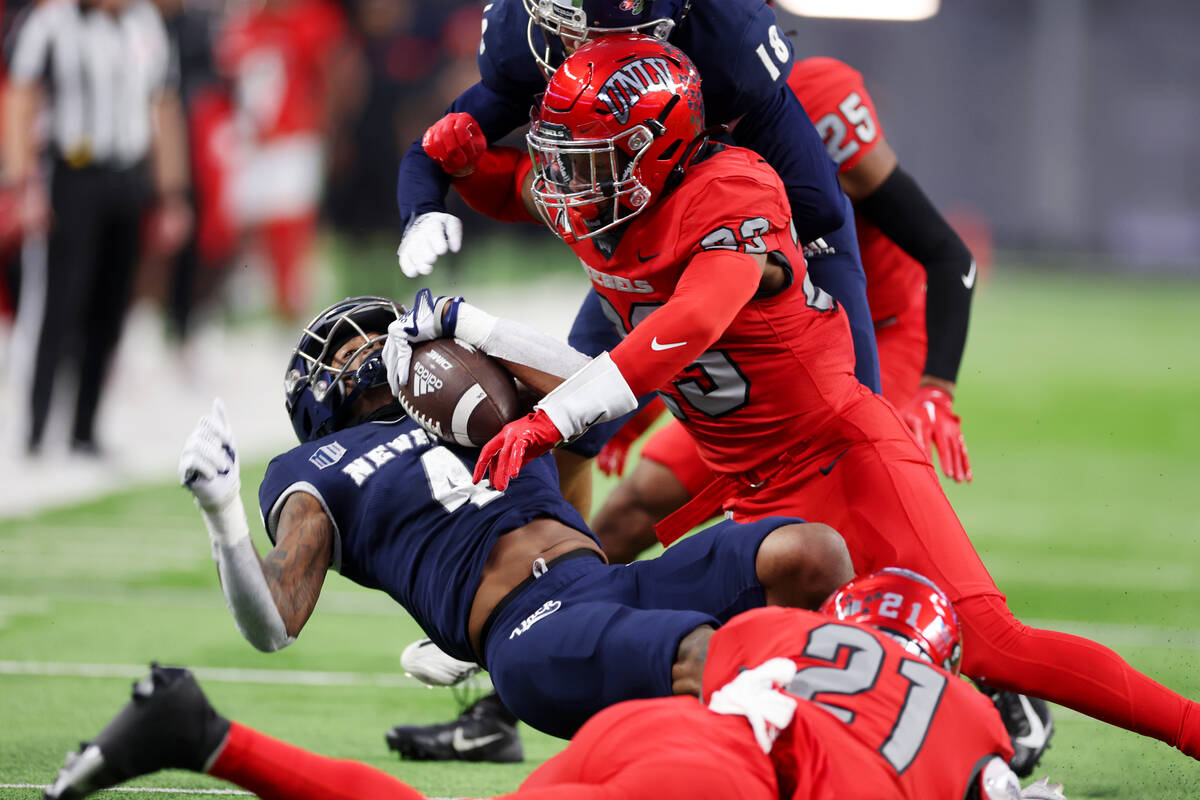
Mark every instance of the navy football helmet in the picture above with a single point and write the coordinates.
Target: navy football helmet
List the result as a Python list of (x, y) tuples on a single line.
[(578, 21), (318, 399)]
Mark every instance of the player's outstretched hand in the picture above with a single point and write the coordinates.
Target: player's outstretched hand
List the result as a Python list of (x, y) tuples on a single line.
[(428, 236), (930, 415), (208, 465), (430, 318), (455, 142), (517, 443)]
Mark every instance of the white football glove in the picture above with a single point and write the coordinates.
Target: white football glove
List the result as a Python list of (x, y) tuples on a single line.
[(208, 468), (429, 664), (428, 236), (208, 465), (422, 324), (754, 695)]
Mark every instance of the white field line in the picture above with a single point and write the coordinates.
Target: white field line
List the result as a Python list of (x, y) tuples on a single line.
[(162, 790), (155, 790), (278, 677)]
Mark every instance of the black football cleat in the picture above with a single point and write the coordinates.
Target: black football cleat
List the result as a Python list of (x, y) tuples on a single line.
[(167, 724), (485, 731), (1029, 725)]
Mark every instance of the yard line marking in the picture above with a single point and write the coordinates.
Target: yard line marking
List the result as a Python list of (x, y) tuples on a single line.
[(286, 677), (1119, 635), (161, 790), (155, 789)]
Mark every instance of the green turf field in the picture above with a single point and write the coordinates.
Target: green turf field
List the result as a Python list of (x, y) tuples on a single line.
[(1080, 399)]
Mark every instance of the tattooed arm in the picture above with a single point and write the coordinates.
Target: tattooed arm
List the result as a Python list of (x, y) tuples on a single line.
[(296, 566), (271, 598)]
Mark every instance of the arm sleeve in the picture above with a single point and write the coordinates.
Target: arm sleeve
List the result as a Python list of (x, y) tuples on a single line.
[(779, 130), (715, 285), (494, 188), (906, 216), (421, 186)]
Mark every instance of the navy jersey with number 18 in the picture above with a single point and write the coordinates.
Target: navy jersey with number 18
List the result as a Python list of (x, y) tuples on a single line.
[(407, 518)]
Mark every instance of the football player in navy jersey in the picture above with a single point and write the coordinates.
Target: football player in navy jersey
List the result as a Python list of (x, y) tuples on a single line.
[(744, 59), (511, 580)]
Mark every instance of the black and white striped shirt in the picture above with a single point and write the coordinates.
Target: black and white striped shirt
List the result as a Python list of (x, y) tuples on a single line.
[(101, 71)]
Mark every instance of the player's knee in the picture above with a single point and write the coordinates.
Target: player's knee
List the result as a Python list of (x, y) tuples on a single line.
[(801, 564)]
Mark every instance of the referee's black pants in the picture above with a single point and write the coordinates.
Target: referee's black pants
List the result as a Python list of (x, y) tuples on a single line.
[(91, 257)]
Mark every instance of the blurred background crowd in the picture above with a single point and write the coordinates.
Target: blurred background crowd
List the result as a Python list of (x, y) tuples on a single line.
[(1061, 129)]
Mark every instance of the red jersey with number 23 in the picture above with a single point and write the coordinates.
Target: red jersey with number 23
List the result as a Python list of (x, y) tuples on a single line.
[(902, 727), (784, 365)]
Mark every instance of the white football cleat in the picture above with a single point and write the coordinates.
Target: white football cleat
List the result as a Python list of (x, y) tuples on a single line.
[(426, 662), (1043, 789)]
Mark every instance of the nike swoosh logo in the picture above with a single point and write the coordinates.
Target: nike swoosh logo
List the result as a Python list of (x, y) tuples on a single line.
[(644, 259), (829, 469), (654, 345), (1037, 736), (464, 745), (969, 279)]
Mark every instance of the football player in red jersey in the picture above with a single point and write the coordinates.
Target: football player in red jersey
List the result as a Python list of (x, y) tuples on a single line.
[(688, 243), (879, 683), (920, 341), (799, 706)]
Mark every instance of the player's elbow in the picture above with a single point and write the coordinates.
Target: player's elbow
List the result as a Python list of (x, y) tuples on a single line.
[(824, 213), (267, 640)]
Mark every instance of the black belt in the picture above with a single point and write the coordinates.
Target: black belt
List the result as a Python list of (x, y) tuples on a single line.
[(522, 586)]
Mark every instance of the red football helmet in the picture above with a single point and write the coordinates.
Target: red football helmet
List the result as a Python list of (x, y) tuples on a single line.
[(617, 118), (906, 605)]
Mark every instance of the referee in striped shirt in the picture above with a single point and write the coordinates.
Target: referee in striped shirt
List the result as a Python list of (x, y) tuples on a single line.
[(114, 146)]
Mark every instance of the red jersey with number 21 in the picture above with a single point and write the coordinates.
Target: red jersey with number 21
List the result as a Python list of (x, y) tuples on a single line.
[(784, 366), (903, 727)]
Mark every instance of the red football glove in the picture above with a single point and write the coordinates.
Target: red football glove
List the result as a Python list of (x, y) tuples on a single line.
[(517, 443), (455, 142), (932, 418)]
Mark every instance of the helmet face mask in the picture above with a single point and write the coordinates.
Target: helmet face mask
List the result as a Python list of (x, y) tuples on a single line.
[(321, 383), (906, 606), (616, 120), (587, 187), (577, 22)]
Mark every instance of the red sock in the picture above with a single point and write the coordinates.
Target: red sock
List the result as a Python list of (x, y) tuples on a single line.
[(1071, 671), (276, 770)]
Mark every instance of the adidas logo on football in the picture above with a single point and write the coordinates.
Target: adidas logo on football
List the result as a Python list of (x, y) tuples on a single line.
[(423, 381)]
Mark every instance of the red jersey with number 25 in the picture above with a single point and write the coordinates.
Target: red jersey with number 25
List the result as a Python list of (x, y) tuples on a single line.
[(784, 365), (901, 726), (838, 104)]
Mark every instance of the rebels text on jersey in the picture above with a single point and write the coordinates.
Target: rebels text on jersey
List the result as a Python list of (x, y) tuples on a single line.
[(903, 727), (836, 100), (407, 518), (781, 368)]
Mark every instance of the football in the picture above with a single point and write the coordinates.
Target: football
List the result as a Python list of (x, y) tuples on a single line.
[(457, 393)]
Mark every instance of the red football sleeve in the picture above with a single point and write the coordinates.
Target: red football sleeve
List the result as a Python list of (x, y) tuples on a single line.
[(709, 294), (494, 188)]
